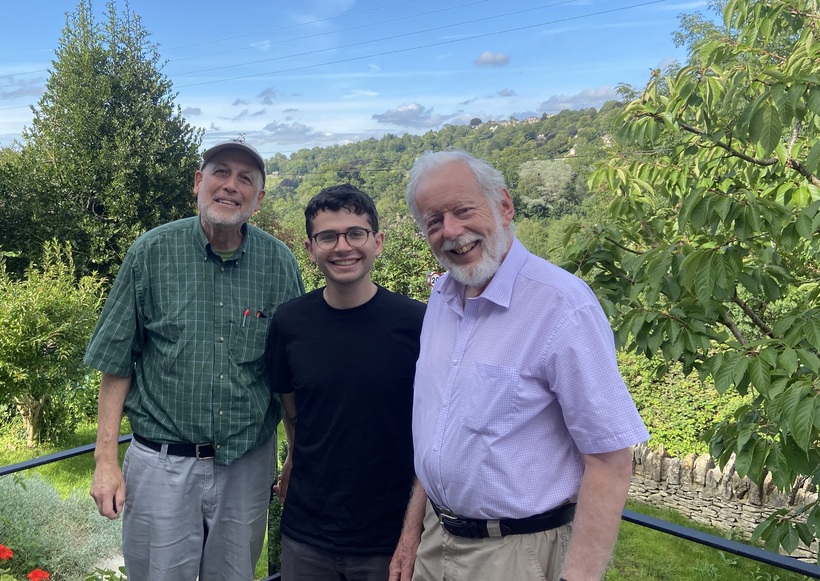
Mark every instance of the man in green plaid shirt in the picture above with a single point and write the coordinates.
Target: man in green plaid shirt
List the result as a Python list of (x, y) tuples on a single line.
[(180, 344)]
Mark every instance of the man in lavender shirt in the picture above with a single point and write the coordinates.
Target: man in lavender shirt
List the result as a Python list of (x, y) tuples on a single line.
[(522, 425)]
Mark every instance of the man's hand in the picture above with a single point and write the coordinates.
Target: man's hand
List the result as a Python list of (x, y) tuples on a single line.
[(280, 489), (108, 489), (404, 558)]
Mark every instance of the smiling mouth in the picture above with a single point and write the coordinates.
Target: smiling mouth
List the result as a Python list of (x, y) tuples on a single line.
[(466, 248), (347, 262), (231, 203)]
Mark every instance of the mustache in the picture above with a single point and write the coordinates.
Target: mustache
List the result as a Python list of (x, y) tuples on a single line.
[(459, 242)]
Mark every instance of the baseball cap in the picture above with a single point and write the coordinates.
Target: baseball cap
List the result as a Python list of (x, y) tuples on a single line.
[(234, 144)]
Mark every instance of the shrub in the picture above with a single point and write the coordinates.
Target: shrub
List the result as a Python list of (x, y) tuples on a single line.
[(66, 537), (677, 409), (47, 319)]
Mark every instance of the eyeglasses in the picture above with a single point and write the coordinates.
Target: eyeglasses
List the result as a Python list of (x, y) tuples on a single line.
[(328, 239)]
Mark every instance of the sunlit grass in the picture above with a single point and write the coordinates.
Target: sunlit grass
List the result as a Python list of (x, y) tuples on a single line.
[(643, 554)]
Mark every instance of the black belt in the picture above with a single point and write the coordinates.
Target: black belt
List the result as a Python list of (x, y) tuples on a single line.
[(198, 451), (479, 529)]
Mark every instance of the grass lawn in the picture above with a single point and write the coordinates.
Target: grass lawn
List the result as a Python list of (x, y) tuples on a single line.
[(643, 554)]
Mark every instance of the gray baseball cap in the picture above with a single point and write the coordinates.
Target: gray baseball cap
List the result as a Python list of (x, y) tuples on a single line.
[(234, 144)]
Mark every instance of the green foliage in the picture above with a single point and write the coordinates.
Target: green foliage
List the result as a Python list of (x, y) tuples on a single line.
[(108, 155), (548, 188), (710, 255), (406, 259), (47, 319), (678, 410), (66, 537)]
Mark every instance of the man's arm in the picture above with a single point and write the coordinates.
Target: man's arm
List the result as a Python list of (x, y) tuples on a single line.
[(404, 558), (108, 485), (289, 405), (601, 499)]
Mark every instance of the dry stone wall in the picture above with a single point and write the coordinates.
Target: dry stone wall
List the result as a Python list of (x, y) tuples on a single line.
[(697, 488)]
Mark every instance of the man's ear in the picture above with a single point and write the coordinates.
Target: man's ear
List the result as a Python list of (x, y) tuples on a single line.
[(309, 248), (506, 207)]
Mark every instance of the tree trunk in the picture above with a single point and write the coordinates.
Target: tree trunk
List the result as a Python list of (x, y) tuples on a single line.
[(31, 409)]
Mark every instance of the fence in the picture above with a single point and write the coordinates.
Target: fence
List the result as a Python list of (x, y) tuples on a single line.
[(713, 541)]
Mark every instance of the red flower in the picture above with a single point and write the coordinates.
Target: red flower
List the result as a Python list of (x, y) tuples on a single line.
[(5, 553), (38, 575)]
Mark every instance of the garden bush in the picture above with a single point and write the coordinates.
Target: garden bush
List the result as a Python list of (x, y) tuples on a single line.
[(66, 537), (677, 409)]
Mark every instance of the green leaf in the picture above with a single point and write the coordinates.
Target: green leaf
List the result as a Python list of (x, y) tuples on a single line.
[(759, 373), (788, 360), (813, 158), (813, 99), (766, 128)]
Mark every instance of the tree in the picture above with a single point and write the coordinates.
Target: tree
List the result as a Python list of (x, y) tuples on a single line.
[(47, 319), (546, 188), (712, 251), (109, 154), (406, 259), (15, 211)]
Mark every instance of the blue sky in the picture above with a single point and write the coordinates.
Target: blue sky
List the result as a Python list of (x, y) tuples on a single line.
[(321, 72)]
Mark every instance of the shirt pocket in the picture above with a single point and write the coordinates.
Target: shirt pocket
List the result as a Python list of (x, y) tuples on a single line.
[(247, 343), (491, 399)]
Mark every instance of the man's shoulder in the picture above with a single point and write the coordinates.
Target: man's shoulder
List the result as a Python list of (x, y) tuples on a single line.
[(543, 272), (172, 229), (303, 303)]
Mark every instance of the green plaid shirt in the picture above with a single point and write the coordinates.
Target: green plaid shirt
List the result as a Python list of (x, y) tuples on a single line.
[(190, 329)]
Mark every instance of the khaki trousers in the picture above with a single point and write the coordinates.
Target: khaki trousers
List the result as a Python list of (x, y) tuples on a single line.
[(444, 557)]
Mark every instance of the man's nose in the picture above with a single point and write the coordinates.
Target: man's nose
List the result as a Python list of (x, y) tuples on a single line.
[(231, 183), (342, 243), (450, 228)]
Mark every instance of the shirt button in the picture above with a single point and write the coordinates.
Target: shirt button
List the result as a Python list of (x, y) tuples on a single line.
[(455, 361), (221, 304), (220, 412), (222, 339), (217, 446), (221, 269), (221, 376)]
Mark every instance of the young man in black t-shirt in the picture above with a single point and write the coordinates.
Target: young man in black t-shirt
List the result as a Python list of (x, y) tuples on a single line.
[(343, 359)]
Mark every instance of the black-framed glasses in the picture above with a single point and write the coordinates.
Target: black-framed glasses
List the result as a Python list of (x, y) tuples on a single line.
[(355, 237)]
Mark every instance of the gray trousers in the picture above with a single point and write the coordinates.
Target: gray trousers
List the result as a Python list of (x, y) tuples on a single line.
[(185, 517)]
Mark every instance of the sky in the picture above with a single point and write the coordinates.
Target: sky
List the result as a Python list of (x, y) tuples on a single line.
[(306, 73)]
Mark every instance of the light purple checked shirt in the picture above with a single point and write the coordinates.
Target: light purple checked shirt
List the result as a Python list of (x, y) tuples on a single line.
[(512, 388)]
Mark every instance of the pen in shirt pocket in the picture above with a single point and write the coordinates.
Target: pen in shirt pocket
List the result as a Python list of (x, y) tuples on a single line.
[(261, 315)]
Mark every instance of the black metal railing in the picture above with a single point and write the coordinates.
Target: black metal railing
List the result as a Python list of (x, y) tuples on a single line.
[(727, 545)]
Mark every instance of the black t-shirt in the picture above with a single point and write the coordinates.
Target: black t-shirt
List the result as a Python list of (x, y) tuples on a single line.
[(352, 373)]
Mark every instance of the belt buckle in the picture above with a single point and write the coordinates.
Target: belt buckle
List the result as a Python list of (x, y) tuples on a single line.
[(460, 527), (200, 457)]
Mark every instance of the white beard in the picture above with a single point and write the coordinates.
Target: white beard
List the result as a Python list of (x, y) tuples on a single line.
[(493, 249)]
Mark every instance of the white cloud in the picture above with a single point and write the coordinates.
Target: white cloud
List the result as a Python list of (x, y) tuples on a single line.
[(491, 59), (413, 115), (586, 98)]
